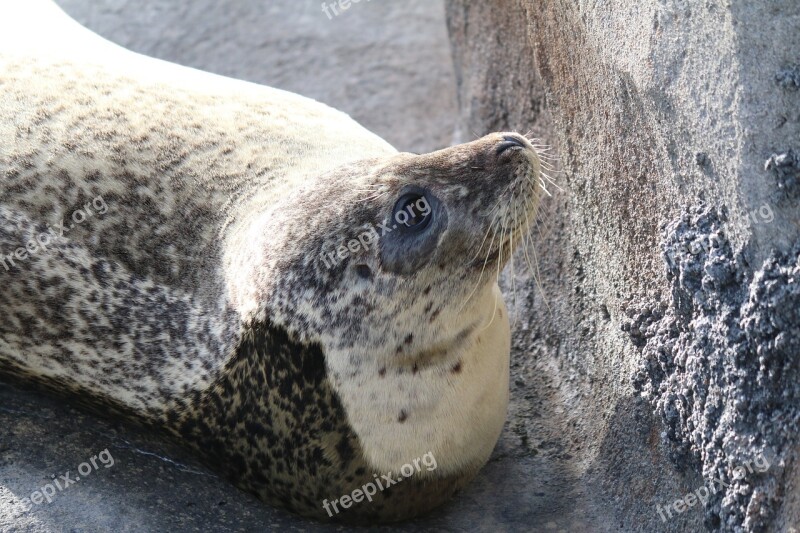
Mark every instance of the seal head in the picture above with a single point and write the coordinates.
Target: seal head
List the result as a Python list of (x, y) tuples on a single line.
[(390, 266)]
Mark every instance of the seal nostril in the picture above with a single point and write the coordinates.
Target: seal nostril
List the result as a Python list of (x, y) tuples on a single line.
[(510, 141)]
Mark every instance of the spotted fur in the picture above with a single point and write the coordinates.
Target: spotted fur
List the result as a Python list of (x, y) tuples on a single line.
[(198, 301)]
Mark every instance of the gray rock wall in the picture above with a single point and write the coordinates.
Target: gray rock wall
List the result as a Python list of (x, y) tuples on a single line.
[(668, 307)]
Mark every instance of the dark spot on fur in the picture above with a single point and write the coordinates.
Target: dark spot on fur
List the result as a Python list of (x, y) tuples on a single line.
[(402, 417), (345, 449), (456, 368), (382, 372), (435, 314), (409, 338)]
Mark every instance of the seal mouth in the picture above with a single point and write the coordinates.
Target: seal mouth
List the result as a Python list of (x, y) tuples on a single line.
[(495, 255), (502, 252)]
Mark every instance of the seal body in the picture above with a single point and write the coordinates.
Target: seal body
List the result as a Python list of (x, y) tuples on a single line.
[(171, 250)]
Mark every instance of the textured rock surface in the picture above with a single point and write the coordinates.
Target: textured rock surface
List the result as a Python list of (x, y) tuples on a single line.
[(721, 366), (669, 263)]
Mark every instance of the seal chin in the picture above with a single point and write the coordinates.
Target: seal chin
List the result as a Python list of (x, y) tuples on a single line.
[(453, 407)]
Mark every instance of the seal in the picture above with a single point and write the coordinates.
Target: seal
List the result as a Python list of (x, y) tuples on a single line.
[(254, 273)]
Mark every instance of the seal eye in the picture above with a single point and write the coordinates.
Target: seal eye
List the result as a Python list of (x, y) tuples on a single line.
[(412, 212), (410, 239)]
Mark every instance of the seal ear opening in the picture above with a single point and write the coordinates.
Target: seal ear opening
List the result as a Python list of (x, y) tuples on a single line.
[(406, 249), (364, 271)]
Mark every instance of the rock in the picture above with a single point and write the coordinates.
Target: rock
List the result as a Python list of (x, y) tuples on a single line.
[(663, 114)]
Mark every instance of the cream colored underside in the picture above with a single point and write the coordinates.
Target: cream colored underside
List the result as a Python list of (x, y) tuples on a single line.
[(456, 416)]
